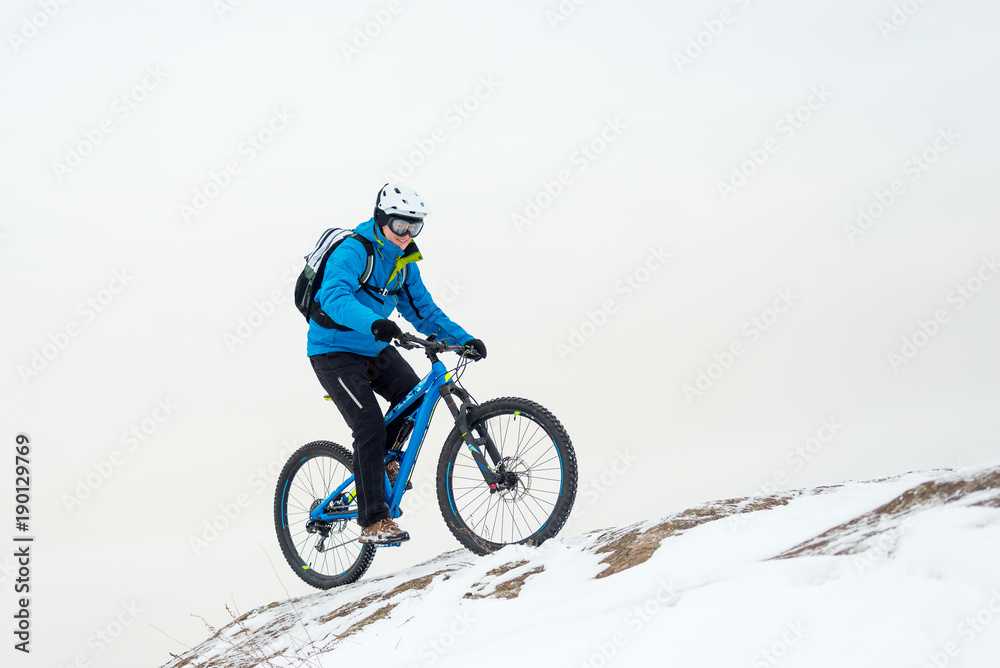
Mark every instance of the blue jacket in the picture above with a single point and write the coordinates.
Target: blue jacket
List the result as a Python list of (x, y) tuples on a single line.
[(341, 298)]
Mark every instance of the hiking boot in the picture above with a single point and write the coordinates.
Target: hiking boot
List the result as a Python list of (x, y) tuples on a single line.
[(392, 470), (383, 531)]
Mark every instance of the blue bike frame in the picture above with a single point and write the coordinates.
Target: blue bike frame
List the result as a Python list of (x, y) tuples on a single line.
[(429, 386)]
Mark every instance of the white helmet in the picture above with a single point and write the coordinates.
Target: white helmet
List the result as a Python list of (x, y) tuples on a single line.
[(397, 199)]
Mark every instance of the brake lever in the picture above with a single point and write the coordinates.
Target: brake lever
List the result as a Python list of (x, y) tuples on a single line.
[(471, 353), (405, 341)]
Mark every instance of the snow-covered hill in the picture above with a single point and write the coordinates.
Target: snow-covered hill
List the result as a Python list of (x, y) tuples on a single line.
[(893, 572)]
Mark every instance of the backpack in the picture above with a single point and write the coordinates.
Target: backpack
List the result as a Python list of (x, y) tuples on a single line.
[(311, 278)]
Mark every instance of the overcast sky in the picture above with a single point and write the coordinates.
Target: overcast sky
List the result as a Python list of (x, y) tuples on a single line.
[(732, 245)]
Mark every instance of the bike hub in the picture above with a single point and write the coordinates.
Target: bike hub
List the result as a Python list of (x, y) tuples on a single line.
[(515, 479)]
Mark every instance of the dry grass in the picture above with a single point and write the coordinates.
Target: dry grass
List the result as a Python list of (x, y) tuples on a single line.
[(418, 583), (508, 588), (850, 537), (506, 568), (626, 549), (511, 588), (246, 648), (238, 646), (381, 613), (351, 608)]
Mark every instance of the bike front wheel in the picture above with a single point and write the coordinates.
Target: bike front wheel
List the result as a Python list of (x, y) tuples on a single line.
[(323, 554), (540, 477)]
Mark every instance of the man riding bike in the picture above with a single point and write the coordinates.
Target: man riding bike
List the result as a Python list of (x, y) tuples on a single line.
[(353, 359)]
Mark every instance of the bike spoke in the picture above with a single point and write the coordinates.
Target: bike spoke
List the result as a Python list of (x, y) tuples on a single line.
[(532, 448), (527, 496), (493, 516), (545, 512), (519, 510), (519, 452), (486, 500), (311, 482), (482, 490)]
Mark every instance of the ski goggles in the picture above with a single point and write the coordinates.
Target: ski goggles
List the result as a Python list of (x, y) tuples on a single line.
[(404, 226)]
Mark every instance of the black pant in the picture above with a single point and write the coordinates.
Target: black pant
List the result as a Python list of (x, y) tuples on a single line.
[(351, 380)]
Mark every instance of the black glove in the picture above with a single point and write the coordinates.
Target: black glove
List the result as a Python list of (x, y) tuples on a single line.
[(478, 346), (386, 330)]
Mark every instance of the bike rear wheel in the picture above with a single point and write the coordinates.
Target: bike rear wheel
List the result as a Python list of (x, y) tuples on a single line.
[(539, 463), (322, 554)]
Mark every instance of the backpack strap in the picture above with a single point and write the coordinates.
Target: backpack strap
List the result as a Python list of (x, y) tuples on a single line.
[(412, 254), (365, 278), (364, 282), (317, 313), (370, 263)]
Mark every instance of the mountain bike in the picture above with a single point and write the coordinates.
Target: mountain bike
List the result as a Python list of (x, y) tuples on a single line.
[(507, 474)]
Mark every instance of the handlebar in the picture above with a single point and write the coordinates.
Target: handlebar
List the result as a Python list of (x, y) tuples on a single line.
[(432, 347)]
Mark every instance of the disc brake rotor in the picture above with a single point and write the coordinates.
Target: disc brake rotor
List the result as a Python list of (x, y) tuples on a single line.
[(517, 481)]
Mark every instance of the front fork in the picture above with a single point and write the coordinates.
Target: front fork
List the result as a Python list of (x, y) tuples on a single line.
[(475, 443)]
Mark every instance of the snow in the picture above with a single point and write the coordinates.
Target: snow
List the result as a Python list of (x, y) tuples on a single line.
[(919, 589), (183, 524)]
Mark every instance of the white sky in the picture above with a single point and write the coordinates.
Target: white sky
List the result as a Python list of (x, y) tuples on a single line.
[(679, 133)]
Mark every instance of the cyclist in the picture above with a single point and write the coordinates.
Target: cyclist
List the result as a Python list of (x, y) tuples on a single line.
[(354, 360)]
